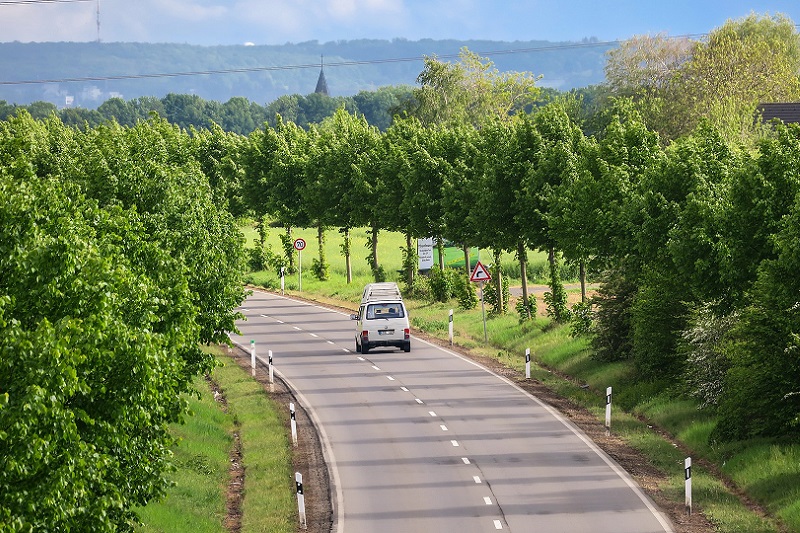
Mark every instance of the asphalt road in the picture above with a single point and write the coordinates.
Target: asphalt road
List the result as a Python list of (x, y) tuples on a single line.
[(429, 441)]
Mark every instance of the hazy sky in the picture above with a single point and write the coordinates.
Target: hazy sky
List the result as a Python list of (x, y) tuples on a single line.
[(211, 22)]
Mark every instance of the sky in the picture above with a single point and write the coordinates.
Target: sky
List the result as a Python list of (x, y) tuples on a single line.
[(225, 22)]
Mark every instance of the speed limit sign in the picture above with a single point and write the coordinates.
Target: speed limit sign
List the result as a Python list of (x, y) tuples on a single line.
[(299, 244)]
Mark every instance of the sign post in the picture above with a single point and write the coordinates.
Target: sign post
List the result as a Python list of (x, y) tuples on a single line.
[(299, 245), (480, 274)]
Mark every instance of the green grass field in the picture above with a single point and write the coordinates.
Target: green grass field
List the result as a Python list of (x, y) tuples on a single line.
[(768, 471)]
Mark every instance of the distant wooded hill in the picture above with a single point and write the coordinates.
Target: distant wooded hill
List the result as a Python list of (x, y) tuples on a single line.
[(262, 73)]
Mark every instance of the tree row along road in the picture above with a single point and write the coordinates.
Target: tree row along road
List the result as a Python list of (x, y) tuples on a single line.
[(430, 441)]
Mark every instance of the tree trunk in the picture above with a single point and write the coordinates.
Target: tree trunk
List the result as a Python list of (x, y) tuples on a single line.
[(499, 271), (346, 247), (290, 253), (440, 246), (583, 280), (321, 253), (411, 264), (522, 252), (466, 261), (374, 237)]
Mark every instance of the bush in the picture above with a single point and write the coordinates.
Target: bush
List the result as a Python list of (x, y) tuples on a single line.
[(490, 295), (441, 285), (612, 340), (581, 319), (526, 312), (465, 292)]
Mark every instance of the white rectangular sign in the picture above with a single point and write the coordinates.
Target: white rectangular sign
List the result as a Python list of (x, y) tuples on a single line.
[(425, 253)]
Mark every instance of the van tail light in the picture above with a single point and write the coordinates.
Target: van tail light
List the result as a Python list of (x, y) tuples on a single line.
[(364, 335), (406, 334)]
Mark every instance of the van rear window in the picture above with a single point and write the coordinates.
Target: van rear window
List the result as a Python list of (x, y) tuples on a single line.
[(385, 310)]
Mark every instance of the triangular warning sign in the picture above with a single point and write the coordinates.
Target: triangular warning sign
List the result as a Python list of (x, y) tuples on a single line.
[(480, 273)]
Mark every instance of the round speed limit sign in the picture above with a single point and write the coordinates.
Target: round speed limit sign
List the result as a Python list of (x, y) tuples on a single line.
[(299, 244)]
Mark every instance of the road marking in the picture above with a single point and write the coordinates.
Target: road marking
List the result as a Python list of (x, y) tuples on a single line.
[(331, 342), (444, 428), (390, 378), (403, 389), (360, 358), (245, 310), (314, 335), (418, 401), (431, 413), (477, 479), (498, 524), (264, 316), (298, 329), (375, 367), (454, 443), (466, 461), (488, 500), (280, 321)]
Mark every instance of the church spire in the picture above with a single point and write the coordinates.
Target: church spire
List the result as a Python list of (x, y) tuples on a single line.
[(322, 84)]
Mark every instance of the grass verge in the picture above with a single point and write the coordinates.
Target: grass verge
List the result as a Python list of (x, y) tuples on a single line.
[(196, 501)]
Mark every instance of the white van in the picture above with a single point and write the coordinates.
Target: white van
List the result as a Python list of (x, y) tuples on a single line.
[(382, 319)]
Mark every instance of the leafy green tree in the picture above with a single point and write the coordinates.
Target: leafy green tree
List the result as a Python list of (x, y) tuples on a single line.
[(342, 174), (275, 171), (741, 64), (220, 156), (117, 265), (471, 91), (378, 106)]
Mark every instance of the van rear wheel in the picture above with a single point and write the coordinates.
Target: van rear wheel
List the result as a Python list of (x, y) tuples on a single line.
[(358, 347), (407, 347), (364, 348)]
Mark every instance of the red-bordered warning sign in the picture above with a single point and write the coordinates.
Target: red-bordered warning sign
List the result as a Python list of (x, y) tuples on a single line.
[(480, 273)]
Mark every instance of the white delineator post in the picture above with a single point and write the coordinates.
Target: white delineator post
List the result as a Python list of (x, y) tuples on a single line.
[(301, 500), (527, 363), (294, 424), (450, 327), (283, 280), (608, 411), (253, 357), (687, 470), (271, 371)]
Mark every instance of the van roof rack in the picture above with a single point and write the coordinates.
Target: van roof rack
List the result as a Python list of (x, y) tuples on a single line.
[(382, 291)]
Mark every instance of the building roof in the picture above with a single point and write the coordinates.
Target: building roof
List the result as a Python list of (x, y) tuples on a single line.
[(322, 84), (788, 112)]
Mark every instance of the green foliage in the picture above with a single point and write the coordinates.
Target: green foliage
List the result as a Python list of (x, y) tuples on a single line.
[(116, 266), (465, 292), (556, 298), (526, 312), (613, 339), (581, 320), (702, 345), (491, 296), (441, 282), (320, 269)]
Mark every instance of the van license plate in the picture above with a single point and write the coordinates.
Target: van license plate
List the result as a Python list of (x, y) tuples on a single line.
[(385, 332)]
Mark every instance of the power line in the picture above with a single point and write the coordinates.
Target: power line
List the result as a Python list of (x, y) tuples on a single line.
[(34, 2)]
